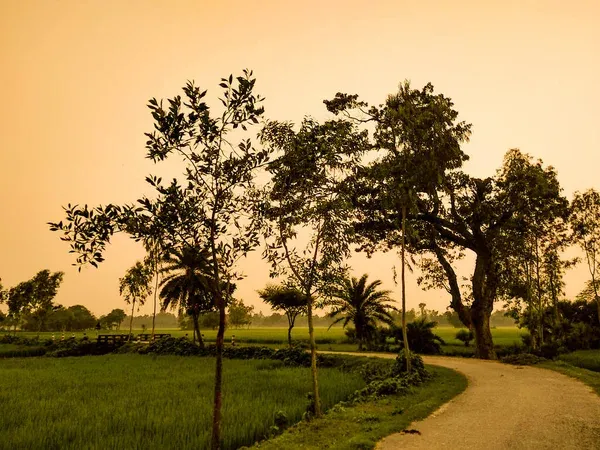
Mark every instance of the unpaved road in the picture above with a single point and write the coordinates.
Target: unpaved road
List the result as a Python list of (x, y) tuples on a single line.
[(507, 407)]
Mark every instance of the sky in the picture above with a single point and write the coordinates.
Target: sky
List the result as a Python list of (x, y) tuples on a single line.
[(76, 76)]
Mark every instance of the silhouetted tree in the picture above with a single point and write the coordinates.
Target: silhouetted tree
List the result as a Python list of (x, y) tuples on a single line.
[(306, 198), (287, 299)]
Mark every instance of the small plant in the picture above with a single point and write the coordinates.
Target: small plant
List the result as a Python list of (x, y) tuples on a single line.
[(465, 336)]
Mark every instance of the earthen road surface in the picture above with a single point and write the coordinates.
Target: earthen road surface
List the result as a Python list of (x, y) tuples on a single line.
[(507, 407)]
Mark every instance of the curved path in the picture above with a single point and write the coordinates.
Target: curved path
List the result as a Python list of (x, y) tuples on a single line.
[(507, 407)]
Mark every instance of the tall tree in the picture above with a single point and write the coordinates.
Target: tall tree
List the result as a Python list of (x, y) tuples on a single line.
[(307, 207), (135, 286), (585, 226), (284, 298), (418, 139), (212, 204), (34, 296), (354, 300)]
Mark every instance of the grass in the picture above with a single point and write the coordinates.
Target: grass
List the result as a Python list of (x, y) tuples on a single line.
[(361, 426), (589, 377), (503, 336), (135, 401), (586, 359)]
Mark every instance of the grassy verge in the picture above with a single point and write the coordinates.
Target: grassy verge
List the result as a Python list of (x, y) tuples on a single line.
[(361, 426), (591, 378), (586, 359)]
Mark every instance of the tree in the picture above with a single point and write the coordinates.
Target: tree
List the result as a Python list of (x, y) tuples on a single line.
[(135, 287), (83, 319), (448, 212), (306, 206), (113, 319), (34, 297), (287, 299), (212, 205), (418, 137), (585, 226), (353, 300), (239, 314), (210, 320), (186, 285)]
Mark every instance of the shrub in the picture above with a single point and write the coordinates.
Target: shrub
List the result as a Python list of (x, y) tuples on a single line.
[(522, 359), (75, 347), (465, 336), (421, 338), (416, 363)]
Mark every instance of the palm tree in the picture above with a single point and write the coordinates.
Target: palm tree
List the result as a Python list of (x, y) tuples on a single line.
[(187, 285), (363, 304)]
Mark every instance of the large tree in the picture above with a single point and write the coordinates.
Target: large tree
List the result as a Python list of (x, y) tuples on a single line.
[(212, 203), (285, 298), (34, 297), (449, 212), (417, 138), (354, 300), (585, 226), (308, 213)]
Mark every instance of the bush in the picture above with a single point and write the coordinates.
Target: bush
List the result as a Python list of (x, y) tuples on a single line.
[(421, 338), (522, 359), (74, 347), (416, 363), (465, 336)]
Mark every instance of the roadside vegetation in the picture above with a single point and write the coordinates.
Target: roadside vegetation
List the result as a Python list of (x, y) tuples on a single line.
[(361, 426)]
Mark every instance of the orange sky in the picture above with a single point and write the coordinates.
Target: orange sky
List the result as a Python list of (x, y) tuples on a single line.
[(76, 75)]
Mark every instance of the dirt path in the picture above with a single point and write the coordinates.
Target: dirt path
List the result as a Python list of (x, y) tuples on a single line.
[(507, 407)]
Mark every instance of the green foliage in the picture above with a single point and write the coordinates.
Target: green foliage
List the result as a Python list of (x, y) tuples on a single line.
[(34, 297), (363, 424), (239, 314), (522, 359), (113, 319), (465, 336), (135, 285), (354, 300), (417, 365), (586, 359), (186, 285)]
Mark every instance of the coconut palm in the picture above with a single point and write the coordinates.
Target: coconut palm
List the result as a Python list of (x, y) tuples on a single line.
[(186, 286), (362, 304)]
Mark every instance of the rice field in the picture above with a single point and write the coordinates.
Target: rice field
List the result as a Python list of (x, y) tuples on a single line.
[(278, 335), (141, 402)]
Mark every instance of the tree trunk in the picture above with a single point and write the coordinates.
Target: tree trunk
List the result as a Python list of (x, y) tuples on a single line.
[(131, 320), (154, 313), (290, 326), (484, 290), (403, 286), (197, 329), (313, 358), (218, 400)]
